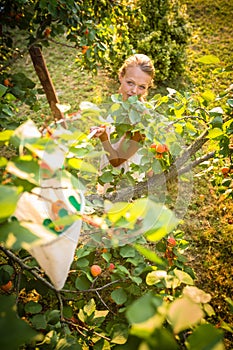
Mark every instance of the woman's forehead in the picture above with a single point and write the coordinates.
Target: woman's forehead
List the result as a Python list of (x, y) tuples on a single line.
[(137, 75)]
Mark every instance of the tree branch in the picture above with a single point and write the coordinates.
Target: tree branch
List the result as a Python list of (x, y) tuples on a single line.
[(157, 180), (197, 162)]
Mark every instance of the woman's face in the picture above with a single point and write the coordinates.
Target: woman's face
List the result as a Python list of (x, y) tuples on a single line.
[(134, 82)]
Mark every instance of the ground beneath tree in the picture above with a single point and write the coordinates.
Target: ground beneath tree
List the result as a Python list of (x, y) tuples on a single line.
[(209, 229)]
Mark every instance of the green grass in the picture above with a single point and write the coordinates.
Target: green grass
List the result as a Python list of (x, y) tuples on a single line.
[(71, 84), (212, 33)]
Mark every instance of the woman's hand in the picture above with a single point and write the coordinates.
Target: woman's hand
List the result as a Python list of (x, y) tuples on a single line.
[(97, 131)]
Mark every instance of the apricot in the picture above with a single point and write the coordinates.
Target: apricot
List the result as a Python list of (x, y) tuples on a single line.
[(225, 170), (47, 32), (7, 82), (7, 287), (161, 148), (111, 267), (171, 241), (96, 270), (84, 49)]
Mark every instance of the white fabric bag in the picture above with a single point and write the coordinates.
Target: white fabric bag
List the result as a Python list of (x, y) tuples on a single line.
[(54, 253)]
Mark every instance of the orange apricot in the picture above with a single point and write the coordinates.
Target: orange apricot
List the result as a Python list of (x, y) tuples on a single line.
[(96, 270)]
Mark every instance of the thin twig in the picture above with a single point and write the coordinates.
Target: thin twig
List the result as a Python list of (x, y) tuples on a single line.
[(77, 326), (103, 302), (196, 162), (63, 44), (186, 117)]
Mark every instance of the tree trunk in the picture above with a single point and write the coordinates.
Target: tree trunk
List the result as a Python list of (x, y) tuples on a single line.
[(45, 79)]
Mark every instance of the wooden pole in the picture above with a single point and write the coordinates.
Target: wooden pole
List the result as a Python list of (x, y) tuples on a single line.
[(46, 81)]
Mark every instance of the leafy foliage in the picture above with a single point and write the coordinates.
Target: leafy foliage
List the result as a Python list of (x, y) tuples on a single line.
[(145, 283), (160, 29)]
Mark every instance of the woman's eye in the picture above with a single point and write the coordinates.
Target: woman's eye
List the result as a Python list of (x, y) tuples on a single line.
[(142, 87), (130, 83)]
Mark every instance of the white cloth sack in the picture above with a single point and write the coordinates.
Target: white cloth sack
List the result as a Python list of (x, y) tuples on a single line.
[(54, 253)]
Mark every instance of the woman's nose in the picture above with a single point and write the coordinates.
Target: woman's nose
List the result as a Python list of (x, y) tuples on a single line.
[(134, 90)]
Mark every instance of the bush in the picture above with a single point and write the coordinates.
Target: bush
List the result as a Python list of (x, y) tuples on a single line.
[(161, 31)]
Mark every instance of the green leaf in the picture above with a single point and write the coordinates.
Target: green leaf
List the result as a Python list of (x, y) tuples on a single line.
[(82, 262), (183, 314), (119, 296), (136, 280), (80, 165), (127, 251), (90, 307), (15, 235), (39, 321), (9, 196), (3, 89), (142, 309), (6, 272), (230, 304), (183, 277), (82, 283), (209, 59), (9, 97), (3, 162), (134, 116), (149, 254), (158, 220), (26, 169), (208, 310), (206, 337), (190, 128), (117, 211), (13, 331), (119, 333), (79, 152), (100, 316), (115, 107), (106, 177), (208, 95), (69, 342), (107, 256), (217, 122), (33, 307), (155, 277), (5, 135), (230, 102), (216, 111), (53, 317), (152, 329), (23, 81), (214, 133)]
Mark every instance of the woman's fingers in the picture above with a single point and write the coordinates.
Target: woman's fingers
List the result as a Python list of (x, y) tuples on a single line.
[(96, 131)]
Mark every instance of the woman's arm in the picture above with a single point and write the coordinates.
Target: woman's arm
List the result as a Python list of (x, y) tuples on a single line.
[(126, 148)]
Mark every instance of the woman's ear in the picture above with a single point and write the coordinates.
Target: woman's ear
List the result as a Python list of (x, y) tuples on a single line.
[(120, 77)]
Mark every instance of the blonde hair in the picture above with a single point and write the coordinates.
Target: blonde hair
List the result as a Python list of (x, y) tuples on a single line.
[(138, 60)]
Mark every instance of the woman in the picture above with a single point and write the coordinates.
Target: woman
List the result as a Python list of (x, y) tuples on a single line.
[(135, 76)]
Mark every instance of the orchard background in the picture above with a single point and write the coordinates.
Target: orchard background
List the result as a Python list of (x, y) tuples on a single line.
[(134, 299)]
